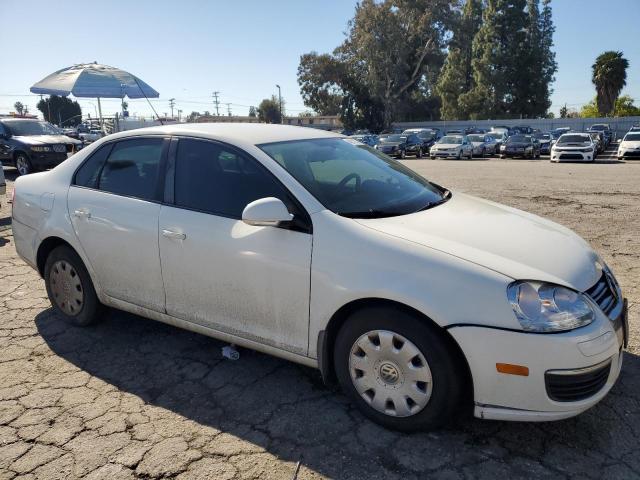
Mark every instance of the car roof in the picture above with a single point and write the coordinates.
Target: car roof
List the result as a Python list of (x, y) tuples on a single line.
[(244, 133)]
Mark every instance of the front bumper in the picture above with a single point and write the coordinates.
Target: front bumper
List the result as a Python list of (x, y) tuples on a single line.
[(572, 156), (42, 160), (629, 154), (445, 154), (500, 396)]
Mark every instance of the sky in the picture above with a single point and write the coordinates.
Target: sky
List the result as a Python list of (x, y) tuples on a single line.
[(187, 50)]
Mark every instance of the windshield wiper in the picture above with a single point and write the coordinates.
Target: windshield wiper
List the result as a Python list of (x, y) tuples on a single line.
[(372, 213), (446, 195)]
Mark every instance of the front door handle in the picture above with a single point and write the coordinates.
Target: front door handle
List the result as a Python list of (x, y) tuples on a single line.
[(174, 235), (82, 213)]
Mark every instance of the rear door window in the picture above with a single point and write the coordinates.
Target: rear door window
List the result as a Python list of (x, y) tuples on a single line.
[(133, 168)]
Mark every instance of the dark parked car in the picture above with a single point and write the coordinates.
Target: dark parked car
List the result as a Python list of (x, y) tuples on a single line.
[(546, 140), (522, 130), (31, 145), (605, 129), (397, 145), (524, 146)]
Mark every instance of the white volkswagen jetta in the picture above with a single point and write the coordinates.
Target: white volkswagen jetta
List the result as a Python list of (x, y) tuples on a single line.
[(318, 249)]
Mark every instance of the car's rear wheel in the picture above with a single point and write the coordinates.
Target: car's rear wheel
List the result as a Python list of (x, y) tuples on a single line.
[(23, 164), (70, 288), (401, 371)]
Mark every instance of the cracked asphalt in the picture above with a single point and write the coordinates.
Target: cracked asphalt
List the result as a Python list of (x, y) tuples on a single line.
[(132, 398)]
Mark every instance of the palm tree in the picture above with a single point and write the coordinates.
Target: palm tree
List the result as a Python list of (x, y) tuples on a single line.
[(609, 77)]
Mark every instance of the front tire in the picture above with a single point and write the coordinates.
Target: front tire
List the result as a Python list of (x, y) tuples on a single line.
[(23, 164), (70, 288), (400, 370), (401, 155)]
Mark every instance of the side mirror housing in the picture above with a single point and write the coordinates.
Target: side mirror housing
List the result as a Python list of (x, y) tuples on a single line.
[(266, 212)]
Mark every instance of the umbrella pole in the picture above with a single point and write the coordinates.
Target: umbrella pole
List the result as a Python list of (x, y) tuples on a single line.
[(100, 113)]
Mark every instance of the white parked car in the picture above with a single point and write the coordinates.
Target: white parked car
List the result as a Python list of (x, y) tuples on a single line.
[(452, 146), (629, 146), (483, 144), (91, 136), (312, 247), (574, 147)]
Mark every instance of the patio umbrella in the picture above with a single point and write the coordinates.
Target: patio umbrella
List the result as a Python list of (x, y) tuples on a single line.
[(95, 81)]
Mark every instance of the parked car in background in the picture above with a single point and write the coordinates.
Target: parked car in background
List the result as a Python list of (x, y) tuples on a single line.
[(635, 128), (417, 299), (32, 145), (519, 145), (629, 146), (3, 185), (399, 145), (574, 147), (71, 132), (368, 139), (521, 129), (483, 144), (452, 146), (557, 132), (598, 140), (605, 128), (428, 139), (546, 140), (91, 136)]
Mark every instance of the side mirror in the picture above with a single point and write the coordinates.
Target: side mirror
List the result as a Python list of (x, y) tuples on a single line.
[(266, 212)]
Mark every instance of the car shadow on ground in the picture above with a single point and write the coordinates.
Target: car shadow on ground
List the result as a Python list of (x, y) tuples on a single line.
[(285, 408)]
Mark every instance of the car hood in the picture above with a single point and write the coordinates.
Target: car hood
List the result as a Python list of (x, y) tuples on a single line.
[(477, 144), (517, 145), (390, 144), (572, 145), (44, 139), (514, 243), (629, 144), (447, 145)]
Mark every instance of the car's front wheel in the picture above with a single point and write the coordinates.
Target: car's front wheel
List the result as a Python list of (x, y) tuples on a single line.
[(23, 164), (400, 370), (70, 288)]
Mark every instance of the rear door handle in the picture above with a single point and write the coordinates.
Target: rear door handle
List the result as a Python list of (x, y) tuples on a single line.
[(174, 235), (82, 213)]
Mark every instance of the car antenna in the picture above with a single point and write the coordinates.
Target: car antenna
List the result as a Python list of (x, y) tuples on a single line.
[(145, 96)]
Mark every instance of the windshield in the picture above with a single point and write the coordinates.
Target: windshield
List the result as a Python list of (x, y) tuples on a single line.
[(28, 127), (632, 137), (451, 140), (476, 138), (518, 139), (574, 139), (426, 135), (395, 138), (354, 180)]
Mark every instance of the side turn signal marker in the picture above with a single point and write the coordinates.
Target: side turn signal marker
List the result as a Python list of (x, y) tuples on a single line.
[(510, 369)]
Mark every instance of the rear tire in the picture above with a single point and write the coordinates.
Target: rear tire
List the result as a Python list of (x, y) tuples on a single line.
[(23, 164), (70, 288), (412, 380)]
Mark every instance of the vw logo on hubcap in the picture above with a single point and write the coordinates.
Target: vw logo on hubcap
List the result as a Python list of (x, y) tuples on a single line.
[(389, 373)]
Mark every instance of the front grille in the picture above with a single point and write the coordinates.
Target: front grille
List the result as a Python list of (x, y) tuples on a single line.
[(571, 156), (604, 294), (59, 148), (572, 386)]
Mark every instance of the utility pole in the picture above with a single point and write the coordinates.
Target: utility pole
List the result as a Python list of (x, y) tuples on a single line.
[(216, 102), (172, 103), (179, 114), (229, 109), (280, 103)]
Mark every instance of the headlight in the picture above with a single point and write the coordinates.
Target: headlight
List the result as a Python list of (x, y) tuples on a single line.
[(503, 147), (40, 149), (544, 307), (588, 150)]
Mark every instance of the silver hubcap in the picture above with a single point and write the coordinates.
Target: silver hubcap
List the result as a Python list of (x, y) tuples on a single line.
[(390, 373), (22, 165), (66, 287)]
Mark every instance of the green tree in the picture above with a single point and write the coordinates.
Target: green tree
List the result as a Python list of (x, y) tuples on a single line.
[(564, 111), (269, 110), (393, 49), (19, 108), (456, 77), (60, 110), (193, 116), (513, 64), (252, 112), (624, 107), (609, 77)]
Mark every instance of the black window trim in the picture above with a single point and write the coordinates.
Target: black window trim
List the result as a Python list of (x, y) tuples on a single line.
[(160, 181), (302, 220)]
